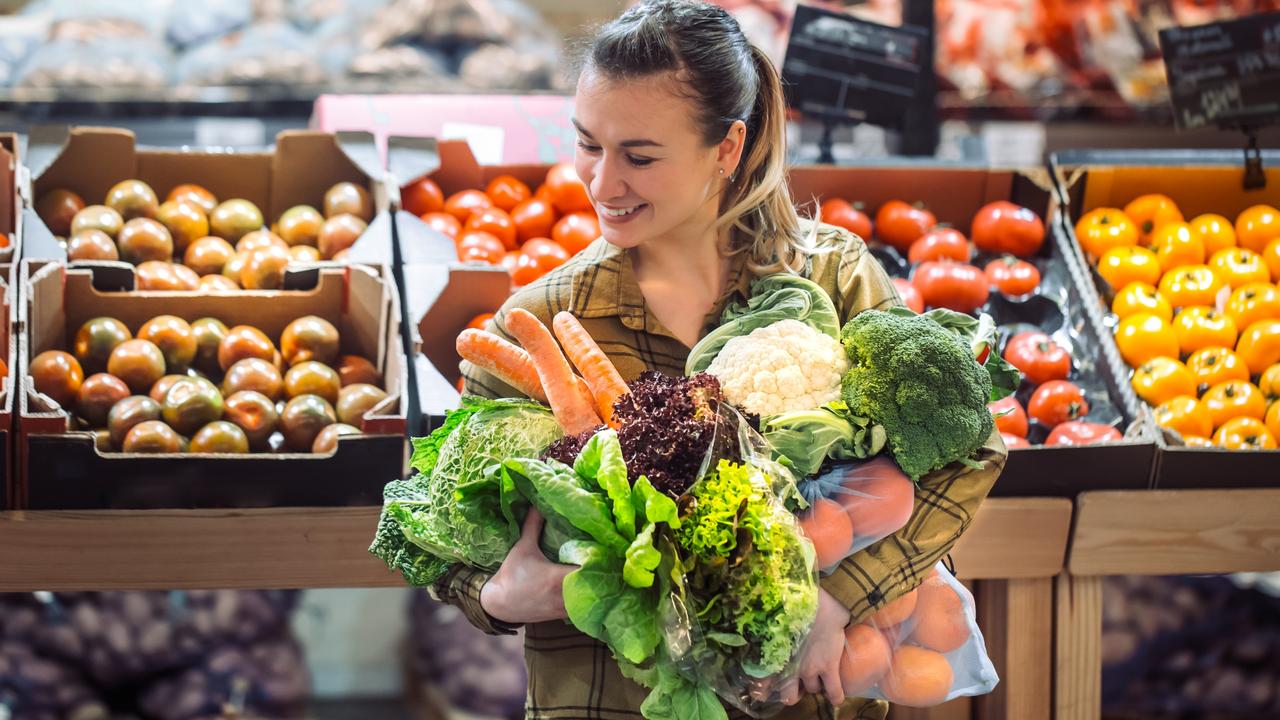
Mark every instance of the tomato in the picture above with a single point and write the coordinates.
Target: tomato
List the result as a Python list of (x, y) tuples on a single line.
[(1251, 303), (534, 219), (1184, 415), (1259, 345), (543, 246), (1271, 258), (1038, 357), (462, 204), (1257, 226), (1197, 442), (1013, 420), (1269, 384), (575, 231), (1176, 245), (1201, 327), (1120, 266), (1056, 402), (506, 192), (511, 259), (525, 271), (899, 224), (954, 286), (480, 322), (1215, 232), (1012, 277), (497, 223), (1191, 285), (1139, 298), (422, 197), (1272, 420), (850, 216), (1143, 336), (1100, 230), (1161, 379), (543, 259), (1238, 267), (566, 190), (909, 294), (1244, 433), (481, 247), (1232, 399), (1013, 441), (1076, 432), (1151, 212), (1214, 365), (1003, 227), (443, 223), (940, 243)]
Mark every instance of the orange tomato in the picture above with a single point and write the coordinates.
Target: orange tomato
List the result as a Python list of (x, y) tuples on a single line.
[(1269, 384), (1176, 245), (1184, 415), (566, 190), (1259, 345), (422, 197), (1215, 231), (900, 224), (1271, 258), (534, 218), (850, 216), (1120, 266), (1272, 420), (481, 247), (1197, 442), (524, 270), (506, 192), (541, 259), (1244, 433), (1233, 399), (443, 223), (1238, 267), (462, 204), (497, 223), (1257, 226), (575, 231), (1144, 336), (1140, 297), (1254, 302), (480, 321), (1100, 230), (1151, 212), (1201, 327), (1215, 365), (1191, 285), (1161, 379)]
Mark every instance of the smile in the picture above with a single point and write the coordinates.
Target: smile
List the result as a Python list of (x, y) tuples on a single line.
[(622, 212)]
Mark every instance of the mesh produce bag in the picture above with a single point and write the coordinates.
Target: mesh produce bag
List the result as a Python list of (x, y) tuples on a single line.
[(853, 506)]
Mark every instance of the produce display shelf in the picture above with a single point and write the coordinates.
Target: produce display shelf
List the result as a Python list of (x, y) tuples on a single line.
[(327, 547)]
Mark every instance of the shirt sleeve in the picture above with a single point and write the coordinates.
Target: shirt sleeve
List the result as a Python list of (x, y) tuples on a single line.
[(460, 587)]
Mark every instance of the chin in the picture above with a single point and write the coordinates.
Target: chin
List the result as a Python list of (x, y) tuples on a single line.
[(625, 238)]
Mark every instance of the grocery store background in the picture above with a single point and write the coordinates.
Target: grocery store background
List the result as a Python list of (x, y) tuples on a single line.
[(1016, 79)]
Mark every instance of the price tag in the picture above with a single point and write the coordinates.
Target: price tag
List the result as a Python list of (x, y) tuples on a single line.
[(485, 140), (1225, 74)]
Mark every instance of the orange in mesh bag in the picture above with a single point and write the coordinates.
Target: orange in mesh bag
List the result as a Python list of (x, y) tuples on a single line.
[(853, 506)]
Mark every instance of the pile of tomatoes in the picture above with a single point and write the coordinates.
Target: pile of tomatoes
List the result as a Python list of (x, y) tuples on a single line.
[(528, 232), (1198, 315)]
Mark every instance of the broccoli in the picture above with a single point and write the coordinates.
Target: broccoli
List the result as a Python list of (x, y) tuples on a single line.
[(920, 382)]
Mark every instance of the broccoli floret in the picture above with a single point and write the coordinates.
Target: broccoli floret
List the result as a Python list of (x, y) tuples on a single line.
[(915, 378)]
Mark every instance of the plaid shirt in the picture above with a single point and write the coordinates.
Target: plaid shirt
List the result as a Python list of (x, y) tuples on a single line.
[(574, 676)]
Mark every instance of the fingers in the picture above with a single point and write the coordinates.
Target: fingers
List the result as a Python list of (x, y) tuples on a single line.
[(532, 528), (835, 689), (790, 692)]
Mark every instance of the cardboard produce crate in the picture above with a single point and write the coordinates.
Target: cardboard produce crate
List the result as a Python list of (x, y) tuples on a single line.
[(1199, 181), (11, 182), (11, 207), (60, 468)]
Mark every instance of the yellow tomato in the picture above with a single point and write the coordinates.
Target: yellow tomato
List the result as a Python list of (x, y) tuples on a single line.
[(1184, 415), (1238, 267), (1201, 327), (1140, 297), (1271, 258), (1197, 442), (1244, 433), (1161, 379), (1259, 345), (1251, 303), (1233, 399), (1176, 245), (1269, 384), (1191, 285), (1105, 228), (1257, 226), (1123, 265), (1144, 336), (1151, 212), (1215, 231), (1272, 420), (1215, 365)]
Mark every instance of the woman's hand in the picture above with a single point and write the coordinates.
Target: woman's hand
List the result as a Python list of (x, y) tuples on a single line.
[(527, 587), (820, 659)]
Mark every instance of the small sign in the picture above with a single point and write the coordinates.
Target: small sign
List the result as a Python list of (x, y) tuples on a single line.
[(845, 69), (230, 132), (1225, 74), (485, 140)]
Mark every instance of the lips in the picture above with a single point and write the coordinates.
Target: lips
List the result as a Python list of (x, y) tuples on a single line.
[(617, 213)]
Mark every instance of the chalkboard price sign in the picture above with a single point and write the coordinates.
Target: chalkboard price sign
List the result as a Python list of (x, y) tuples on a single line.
[(1225, 74)]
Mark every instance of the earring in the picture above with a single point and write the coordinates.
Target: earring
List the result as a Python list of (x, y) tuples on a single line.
[(722, 172)]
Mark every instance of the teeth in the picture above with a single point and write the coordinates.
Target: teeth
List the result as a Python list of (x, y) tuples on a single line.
[(618, 213)]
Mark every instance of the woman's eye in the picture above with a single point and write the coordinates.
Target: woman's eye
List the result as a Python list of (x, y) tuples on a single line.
[(586, 147), (639, 161)]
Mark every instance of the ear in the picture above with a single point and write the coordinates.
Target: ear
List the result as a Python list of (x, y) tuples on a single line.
[(729, 152)]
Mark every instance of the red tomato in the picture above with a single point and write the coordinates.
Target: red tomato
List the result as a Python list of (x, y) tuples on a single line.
[(1056, 402), (954, 286), (1076, 432), (1002, 227), (525, 270), (1013, 441), (899, 224), (575, 231), (463, 203), (842, 213), (480, 321), (1038, 357), (539, 247), (422, 197), (506, 192), (566, 191), (940, 243), (533, 218), (910, 295), (443, 223), (510, 260), (1013, 277), (1014, 418), (497, 223), (481, 246)]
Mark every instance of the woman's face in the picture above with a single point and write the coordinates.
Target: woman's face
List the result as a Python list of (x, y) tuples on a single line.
[(646, 167)]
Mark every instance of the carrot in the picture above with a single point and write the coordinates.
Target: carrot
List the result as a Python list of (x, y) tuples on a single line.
[(574, 413), (506, 361), (601, 376)]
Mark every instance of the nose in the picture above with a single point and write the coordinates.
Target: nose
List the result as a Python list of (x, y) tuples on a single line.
[(608, 181)]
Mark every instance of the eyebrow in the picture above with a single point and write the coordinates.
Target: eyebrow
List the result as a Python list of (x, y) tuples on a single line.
[(640, 142)]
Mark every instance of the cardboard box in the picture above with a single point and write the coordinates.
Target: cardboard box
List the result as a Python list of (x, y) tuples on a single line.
[(1200, 181), (8, 381), (11, 179), (62, 469)]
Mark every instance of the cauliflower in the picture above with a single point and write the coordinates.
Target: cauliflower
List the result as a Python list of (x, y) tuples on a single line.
[(779, 368)]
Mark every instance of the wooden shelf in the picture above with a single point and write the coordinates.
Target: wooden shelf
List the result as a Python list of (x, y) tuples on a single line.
[(327, 547)]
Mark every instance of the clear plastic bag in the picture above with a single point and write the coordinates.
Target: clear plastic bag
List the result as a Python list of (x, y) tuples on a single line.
[(264, 54), (136, 62), (191, 24), (853, 506)]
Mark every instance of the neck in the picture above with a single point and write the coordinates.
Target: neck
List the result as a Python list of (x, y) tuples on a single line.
[(696, 261)]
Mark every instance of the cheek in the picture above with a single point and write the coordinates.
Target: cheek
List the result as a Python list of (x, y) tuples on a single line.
[(585, 165)]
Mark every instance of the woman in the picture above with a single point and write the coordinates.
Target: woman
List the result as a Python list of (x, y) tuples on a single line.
[(682, 147)]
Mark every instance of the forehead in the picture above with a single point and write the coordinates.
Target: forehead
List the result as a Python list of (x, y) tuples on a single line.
[(649, 106)]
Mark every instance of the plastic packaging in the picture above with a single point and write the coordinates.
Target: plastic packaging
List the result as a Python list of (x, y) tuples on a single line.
[(853, 506), (264, 54), (123, 62), (191, 24)]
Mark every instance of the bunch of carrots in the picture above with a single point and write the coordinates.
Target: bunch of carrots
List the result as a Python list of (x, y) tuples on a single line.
[(541, 371)]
